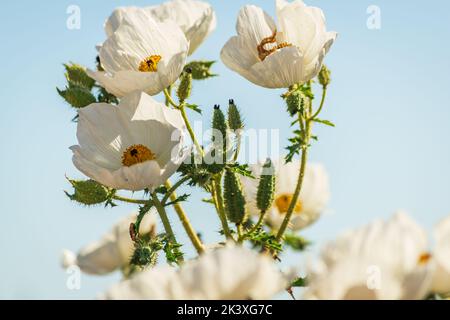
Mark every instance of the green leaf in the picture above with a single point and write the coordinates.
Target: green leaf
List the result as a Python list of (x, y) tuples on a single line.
[(296, 242), (201, 69), (77, 96), (194, 107), (76, 76), (299, 282), (181, 198), (241, 169), (325, 122)]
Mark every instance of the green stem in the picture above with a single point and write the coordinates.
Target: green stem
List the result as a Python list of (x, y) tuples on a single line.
[(322, 102), (165, 219), (287, 218), (171, 189), (191, 132), (195, 240), (238, 147), (128, 200), (218, 199), (169, 99), (259, 223)]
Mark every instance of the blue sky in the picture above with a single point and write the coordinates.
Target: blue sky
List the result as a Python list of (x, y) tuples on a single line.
[(389, 150)]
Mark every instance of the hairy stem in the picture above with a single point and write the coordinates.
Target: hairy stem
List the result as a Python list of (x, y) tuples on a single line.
[(195, 240), (218, 199)]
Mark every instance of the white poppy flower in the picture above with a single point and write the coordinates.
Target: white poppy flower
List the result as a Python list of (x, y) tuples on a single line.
[(113, 251), (196, 18), (278, 57), (135, 145), (141, 54), (383, 260), (441, 257), (313, 198), (227, 273)]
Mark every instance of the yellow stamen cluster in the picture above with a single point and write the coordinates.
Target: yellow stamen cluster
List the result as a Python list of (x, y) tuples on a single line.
[(424, 258), (135, 154), (150, 64), (263, 53), (283, 201)]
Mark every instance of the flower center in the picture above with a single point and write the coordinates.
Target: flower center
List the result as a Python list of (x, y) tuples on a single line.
[(263, 53), (135, 154), (283, 201), (150, 64), (424, 258)]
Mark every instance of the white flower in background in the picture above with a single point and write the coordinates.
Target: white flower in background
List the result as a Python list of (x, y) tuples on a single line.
[(383, 260), (113, 251), (313, 198), (441, 257), (141, 54), (227, 273), (135, 145), (196, 18), (278, 57)]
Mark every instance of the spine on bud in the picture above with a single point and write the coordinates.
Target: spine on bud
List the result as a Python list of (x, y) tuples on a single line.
[(185, 87), (266, 187), (234, 116), (234, 198)]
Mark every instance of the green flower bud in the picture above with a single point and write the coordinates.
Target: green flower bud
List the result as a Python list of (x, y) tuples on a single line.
[(88, 192), (76, 75), (201, 69), (295, 102), (76, 96), (185, 87), (324, 76), (234, 198), (266, 187), (145, 253), (234, 117), (220, 126)]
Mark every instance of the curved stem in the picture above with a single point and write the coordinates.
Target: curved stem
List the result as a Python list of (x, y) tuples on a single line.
[(128, 200), (169, 99), (191, 132), (165, 219), (306, 137), (171, 189), (322, 102), (218, 199), (259, 223), (195, 240)]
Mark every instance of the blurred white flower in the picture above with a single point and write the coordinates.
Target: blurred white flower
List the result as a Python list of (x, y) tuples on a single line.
[(383, 260), (141, 54), (227, 273), (278, 57), (441, 257), (135, 145), (196, 18), (313, 198), (113, 251)]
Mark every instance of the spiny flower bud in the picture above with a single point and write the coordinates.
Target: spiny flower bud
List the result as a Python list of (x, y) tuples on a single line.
[(220, 127), (145, 253), (201, 69), (266, 187), (88, 192), (234, 117), (324, 76), (295, 102), (234, 198), (185, 87)]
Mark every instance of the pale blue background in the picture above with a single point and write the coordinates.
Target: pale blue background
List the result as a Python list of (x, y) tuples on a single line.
[(389, 99)]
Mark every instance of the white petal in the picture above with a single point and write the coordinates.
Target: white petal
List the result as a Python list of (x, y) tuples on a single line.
[(441, 279), (254, 24), (196, 18)]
